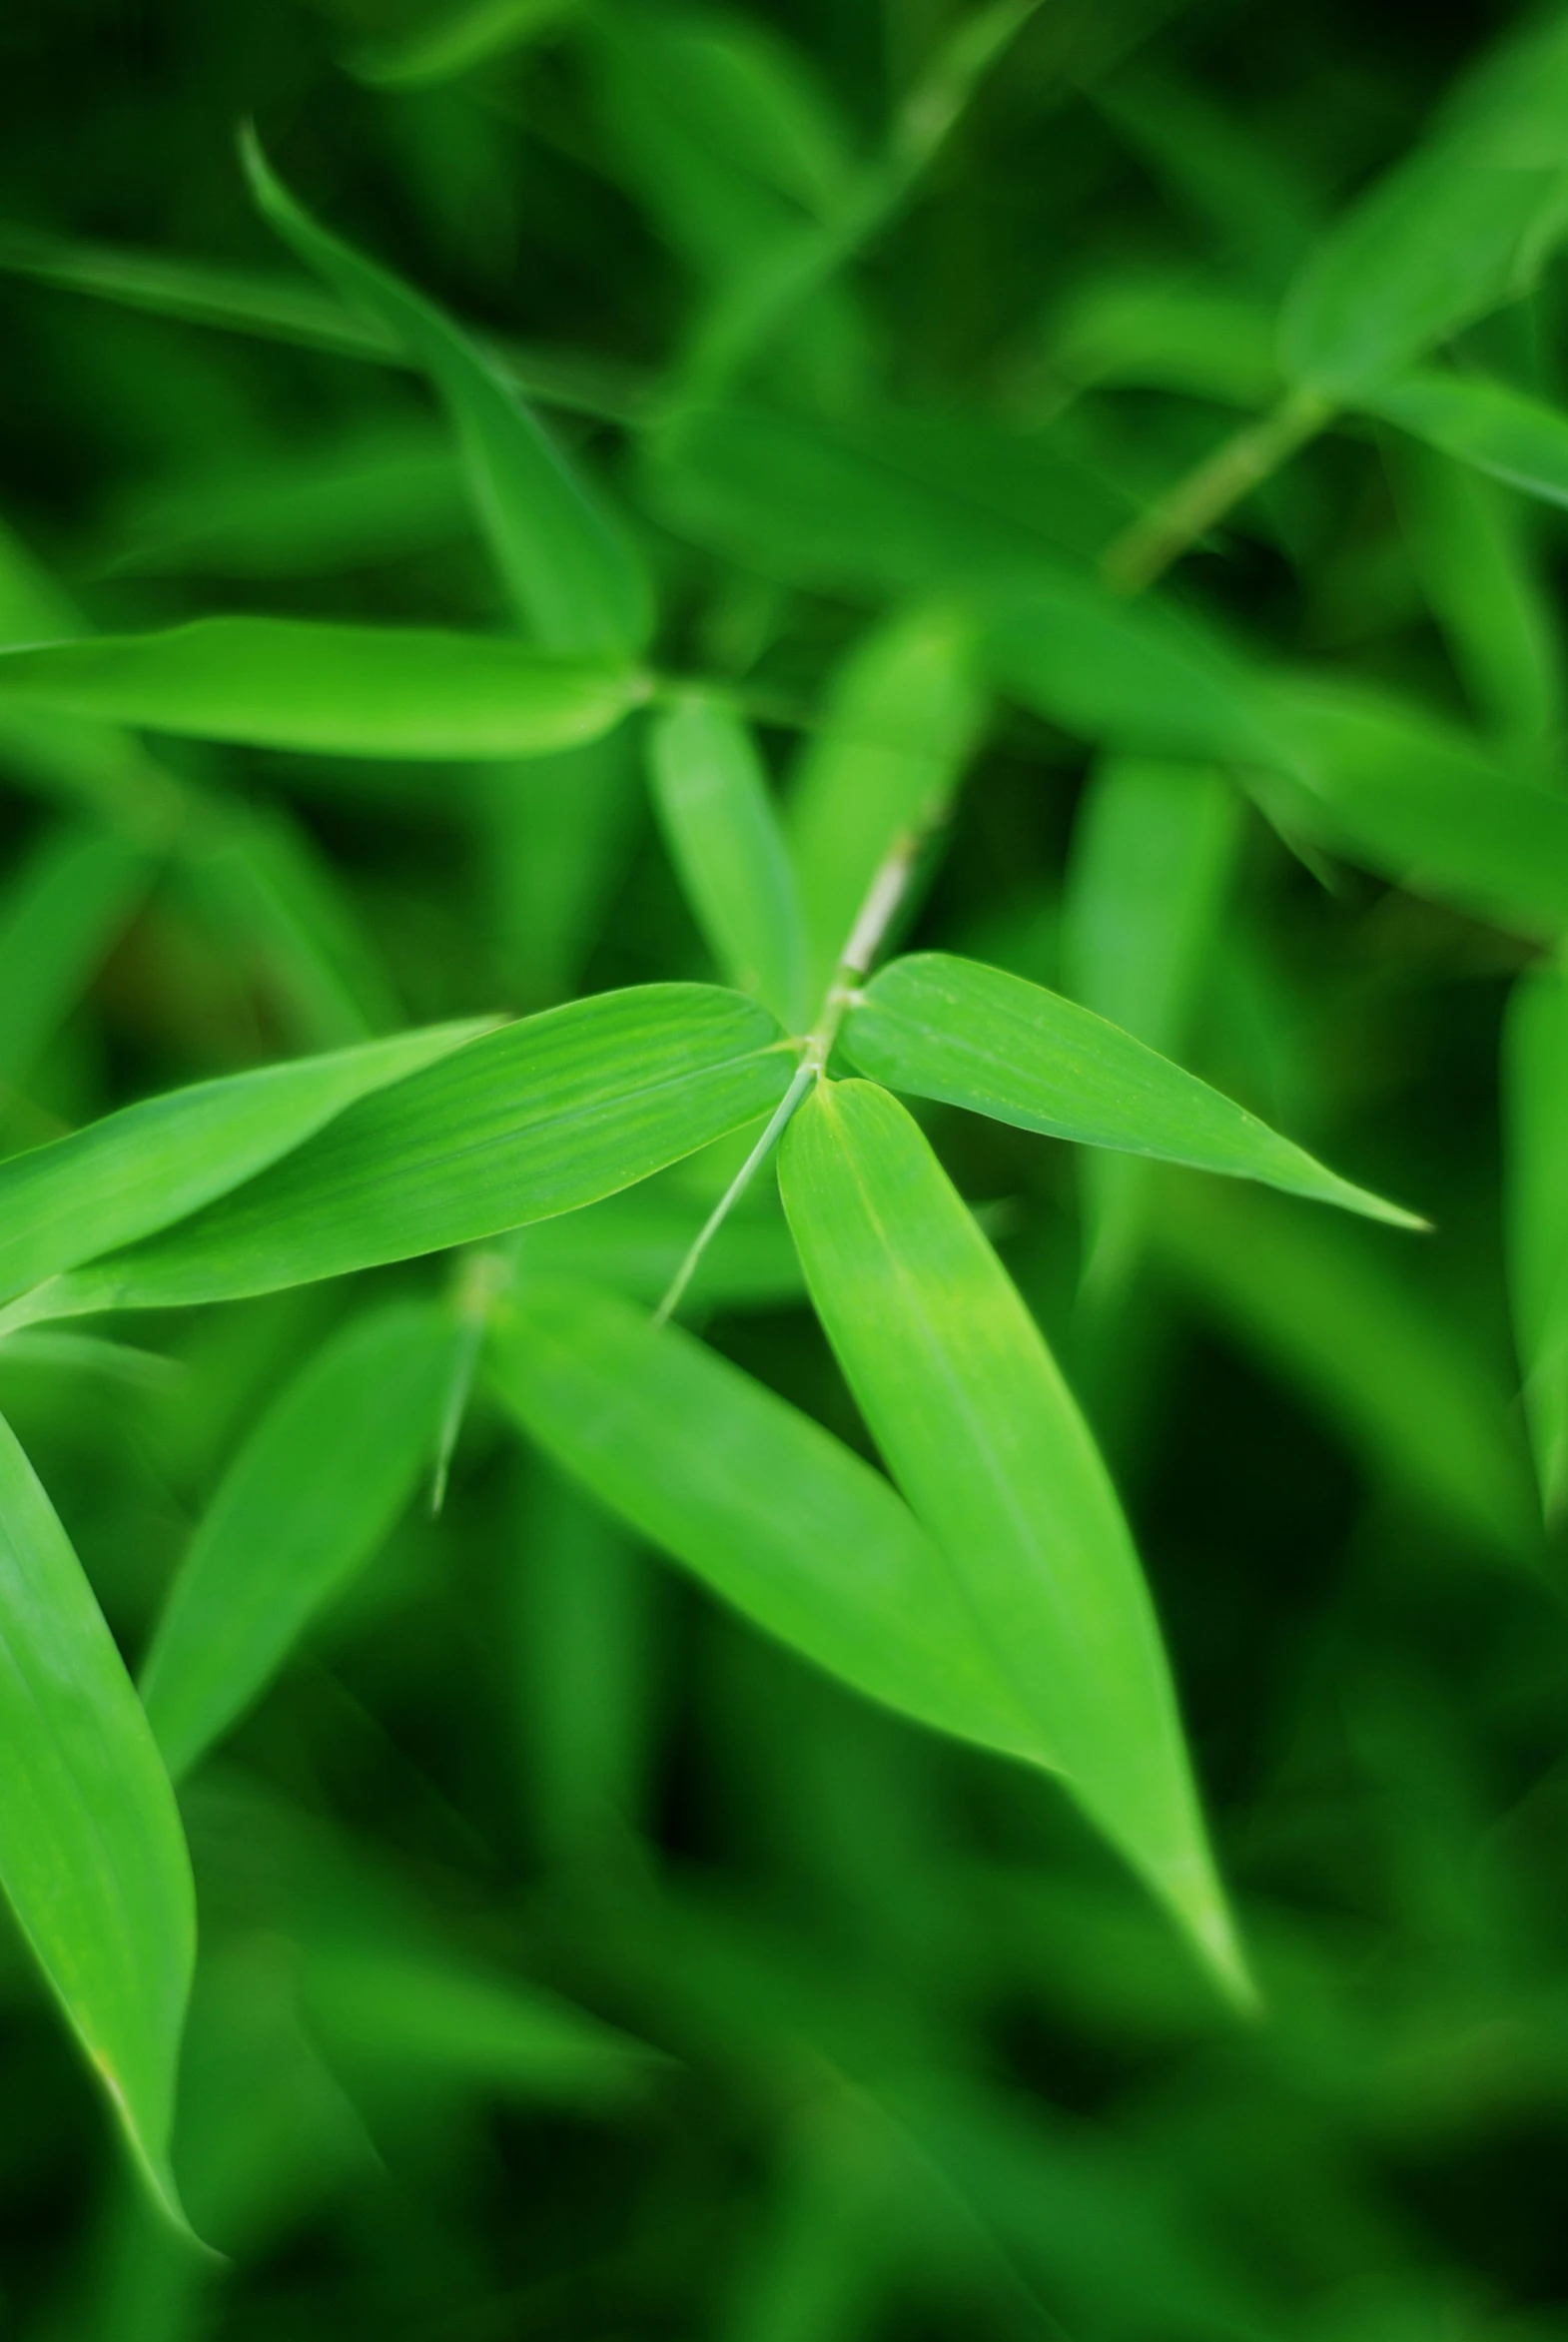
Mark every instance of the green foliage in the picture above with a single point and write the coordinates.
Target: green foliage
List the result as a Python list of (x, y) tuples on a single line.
[(1037, 590)]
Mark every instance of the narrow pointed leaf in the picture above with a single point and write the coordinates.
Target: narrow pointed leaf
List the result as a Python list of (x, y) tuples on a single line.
[(565, 561), (92, 1855), (723, 834), (979, 1038), (904, 714), (311, 1496), (139, 1170), (1154, 849), (333, 690), (548, 1113), (770, 1511), (1490, 426), (1461, 224), (983, 1435), (1535, 1096), (453, 40)]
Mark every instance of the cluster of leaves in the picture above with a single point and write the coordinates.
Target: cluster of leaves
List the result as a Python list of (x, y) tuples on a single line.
[(1024, 738)]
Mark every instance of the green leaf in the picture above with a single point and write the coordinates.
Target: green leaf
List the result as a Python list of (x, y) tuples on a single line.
[(982, 1434), (453, 41), (1369, 1348), (391, 2015), (876, 505), (58, 919), (1153, 850), (1535, 1099), (1462, 226), (1472, 548), (556, 833), (336, 690), (724, 837), (978, 1038), (566, 564), (903, 716), (1166, 333), (278, 309), (1144, 678), (548, 1115), (307, 1502), (92, 1856), (1490, 426), (770, 1511), (149, 1164), (637, 1242), (1418, 800)]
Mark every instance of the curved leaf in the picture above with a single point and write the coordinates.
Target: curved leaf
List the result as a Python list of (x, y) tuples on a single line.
[(540, 1118), (565, 561), (311, 1496), (979, 1038), (334, 690), (1496, 429), (765, 1506), (92, 1855), (982, 1434)]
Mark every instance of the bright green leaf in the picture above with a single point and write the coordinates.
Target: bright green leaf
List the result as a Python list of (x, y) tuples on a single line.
[(92, 1856), (149, 1164), (571, 571), (719, 823), (336, 690), (454, 41), (307, 1502), (1166, 333), (979, 1038), (1489, 425), (768, 1509), (982, 1434), (540, 1118)]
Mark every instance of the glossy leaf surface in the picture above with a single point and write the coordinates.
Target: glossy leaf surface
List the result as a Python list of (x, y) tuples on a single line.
[(540, 1118), (92, 1855), (305, 1504), (770, 1511), (331, 691), (982, 1434), (979, 1038), (140, 1169)]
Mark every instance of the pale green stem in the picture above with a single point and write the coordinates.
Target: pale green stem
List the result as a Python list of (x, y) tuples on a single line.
[(881, 899), (1146, 549)]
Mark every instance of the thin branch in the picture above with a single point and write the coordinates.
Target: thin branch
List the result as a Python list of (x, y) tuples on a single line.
[(1188, 512)]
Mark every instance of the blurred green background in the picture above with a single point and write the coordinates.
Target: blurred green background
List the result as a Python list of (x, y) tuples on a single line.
[(576, 1964)]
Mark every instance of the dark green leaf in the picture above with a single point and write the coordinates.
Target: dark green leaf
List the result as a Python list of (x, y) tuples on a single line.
[(1535, 1096)]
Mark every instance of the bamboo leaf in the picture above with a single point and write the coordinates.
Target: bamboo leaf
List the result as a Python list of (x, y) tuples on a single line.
[(1461, 224), (1535, 1099), (1416, 800), (1490, 426), (1168, 333), (548, 1115), (149, 1164), (92, 1856), (902, 717), (1154, 849), (566, 564), (335, 690), (770, 1511), (304, 1505), (982, 1434), (717, 815), (1147, 679), (979, 1038)]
